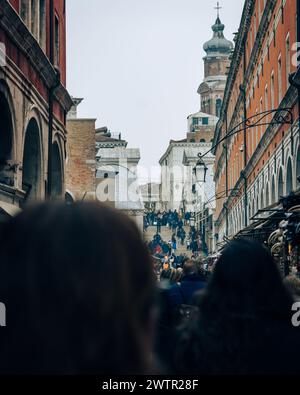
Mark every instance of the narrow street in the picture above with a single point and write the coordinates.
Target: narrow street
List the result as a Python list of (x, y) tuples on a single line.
[(149, 193)]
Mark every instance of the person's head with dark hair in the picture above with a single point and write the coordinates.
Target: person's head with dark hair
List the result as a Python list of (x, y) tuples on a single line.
[(78, 286), (189, 267), (243, 313), (246, 279), (184, 260)]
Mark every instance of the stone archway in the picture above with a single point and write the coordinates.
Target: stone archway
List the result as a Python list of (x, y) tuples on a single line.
[(31, 181), (56, 173), (6, 142)]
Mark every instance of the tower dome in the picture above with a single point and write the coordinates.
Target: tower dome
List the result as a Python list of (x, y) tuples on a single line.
[(218, 45)]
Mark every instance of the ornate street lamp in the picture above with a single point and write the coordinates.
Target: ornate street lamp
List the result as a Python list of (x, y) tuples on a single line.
[(200, 170)]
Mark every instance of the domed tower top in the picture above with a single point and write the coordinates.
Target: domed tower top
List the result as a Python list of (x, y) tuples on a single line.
[(216, 64), (218, 45)]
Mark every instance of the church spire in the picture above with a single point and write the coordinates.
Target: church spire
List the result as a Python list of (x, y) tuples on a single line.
[(218, 8)]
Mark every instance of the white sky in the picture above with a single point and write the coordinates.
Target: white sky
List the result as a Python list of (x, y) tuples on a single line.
[(138, 64)]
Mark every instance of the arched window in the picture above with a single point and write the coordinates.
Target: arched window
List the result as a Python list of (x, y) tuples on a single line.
[(253, 207), (267, 195), (289, 178), (218, 107), (208, 106), (262, 203), (202, 141), (273, 192), (31, 181), (280, 184), (57, 172)]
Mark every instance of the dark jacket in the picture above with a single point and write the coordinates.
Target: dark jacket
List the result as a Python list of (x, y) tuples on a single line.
[(184, 292)]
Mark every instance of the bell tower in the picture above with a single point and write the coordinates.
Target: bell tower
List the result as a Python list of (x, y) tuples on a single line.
[(216, 61)]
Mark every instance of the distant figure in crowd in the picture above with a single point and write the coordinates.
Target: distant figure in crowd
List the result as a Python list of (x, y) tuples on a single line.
[(78, 286), (174, 243), (244, 324)]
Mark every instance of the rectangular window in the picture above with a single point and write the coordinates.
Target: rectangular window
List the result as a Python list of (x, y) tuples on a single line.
[(272, 91), (256, 134), (195, 122), (279, 80), (266, 98), (34, 18), (204, 121), (288, 60), (42, 24), (56, 42), (24, 11), (267, 102), (261, 110)]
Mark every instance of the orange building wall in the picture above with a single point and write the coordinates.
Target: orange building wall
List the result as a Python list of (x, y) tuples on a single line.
[(254, 94)]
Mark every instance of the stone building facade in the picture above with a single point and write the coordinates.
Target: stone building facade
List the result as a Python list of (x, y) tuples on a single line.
[(33, 100), (259, 164), (116, 176)]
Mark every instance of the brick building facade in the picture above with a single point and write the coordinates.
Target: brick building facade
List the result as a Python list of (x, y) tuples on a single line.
[(81, 151), (33, 100), (260, 164)]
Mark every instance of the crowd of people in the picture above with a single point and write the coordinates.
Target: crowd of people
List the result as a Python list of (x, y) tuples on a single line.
[(84, 296), (176, 222), (172, 219)]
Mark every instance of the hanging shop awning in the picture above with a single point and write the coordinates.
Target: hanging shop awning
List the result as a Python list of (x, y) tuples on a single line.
[(264, 223)]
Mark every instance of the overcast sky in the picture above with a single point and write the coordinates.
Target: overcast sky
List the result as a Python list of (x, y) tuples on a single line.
[(138, 64)]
